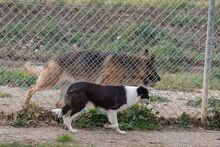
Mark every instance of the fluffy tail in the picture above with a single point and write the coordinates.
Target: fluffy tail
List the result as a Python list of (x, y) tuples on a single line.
[(58, 112), (63, 111), (32, 69)]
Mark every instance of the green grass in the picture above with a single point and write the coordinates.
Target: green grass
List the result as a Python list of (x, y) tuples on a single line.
[(146, 3), (4, 94), (180, 81), (15, 77), (185, 81), (159, 99), (65, 138)]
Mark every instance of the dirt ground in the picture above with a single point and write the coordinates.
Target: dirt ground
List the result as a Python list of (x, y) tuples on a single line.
[(107, 138)]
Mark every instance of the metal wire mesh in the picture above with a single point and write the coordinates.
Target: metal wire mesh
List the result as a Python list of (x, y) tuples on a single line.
[(118, 34)]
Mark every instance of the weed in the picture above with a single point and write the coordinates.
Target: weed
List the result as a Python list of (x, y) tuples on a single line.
[(65, 138), (4, 94)]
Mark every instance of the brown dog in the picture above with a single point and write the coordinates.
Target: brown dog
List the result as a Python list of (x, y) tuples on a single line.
[(98, 67)]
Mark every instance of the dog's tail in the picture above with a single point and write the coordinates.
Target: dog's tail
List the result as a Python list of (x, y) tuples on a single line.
[(61, 112), (58, 112), (32, 69)]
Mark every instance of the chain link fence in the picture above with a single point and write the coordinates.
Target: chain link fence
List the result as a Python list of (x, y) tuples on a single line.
[(110, 38)]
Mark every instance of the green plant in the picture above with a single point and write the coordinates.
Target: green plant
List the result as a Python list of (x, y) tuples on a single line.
[(65, 138)]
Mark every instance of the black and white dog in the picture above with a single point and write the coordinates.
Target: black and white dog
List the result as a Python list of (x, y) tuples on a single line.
[(109, 98)]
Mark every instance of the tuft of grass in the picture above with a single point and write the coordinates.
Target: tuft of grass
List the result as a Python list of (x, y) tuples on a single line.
[(159, 99), (65, 138), (4, 94), (15, 77), (137, 117)]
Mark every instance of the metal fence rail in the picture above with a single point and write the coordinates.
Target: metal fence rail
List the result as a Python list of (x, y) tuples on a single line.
[(173, 31)]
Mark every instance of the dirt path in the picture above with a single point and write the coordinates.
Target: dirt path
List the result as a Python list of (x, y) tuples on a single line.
[(107, 138)]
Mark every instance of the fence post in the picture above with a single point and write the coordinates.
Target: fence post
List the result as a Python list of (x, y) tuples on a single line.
[(207, 61)]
